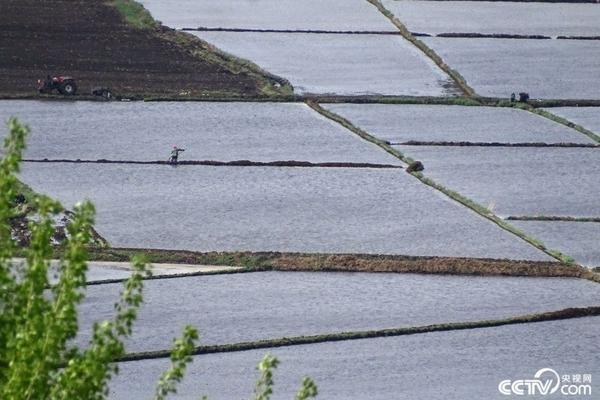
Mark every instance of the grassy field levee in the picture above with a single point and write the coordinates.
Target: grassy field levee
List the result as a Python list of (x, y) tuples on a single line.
[(117, 44)]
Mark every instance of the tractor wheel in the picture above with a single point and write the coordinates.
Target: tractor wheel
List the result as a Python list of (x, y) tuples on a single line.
[(68, 88)]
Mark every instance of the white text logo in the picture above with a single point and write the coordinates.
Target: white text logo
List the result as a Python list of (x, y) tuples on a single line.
[(547, 381)]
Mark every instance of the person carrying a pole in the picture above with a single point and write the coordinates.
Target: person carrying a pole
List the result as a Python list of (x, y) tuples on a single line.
[(175, 154)]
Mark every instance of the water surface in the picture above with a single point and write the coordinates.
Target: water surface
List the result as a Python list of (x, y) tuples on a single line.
[(588, 117), (498, 17), (555, 69), (518, 181), (275, 209), (580, 240), (344, 15), (403, 123), (208, 131), (263, 305), (338, 64)]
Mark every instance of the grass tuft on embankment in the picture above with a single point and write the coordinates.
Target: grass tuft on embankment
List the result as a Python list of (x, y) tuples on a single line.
[(428, 51), (135, 14), (269, 84)]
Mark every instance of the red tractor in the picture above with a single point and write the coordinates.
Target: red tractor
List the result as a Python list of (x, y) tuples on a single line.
[(64, 84)]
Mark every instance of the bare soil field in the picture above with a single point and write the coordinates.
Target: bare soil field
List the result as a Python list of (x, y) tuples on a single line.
[(90, 41)]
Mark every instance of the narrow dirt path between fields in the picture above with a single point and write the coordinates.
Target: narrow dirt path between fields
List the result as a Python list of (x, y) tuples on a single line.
[(236, 163)]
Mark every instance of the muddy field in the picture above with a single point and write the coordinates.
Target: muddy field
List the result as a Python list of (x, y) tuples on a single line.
[(88, 40)]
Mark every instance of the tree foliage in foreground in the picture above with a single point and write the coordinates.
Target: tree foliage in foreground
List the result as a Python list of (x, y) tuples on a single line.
[(38, 320)]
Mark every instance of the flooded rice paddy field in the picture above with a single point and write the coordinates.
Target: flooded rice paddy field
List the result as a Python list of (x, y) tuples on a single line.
[(438, 123), (443, 365), (497, 17), (580, 240), (331, 15), (266, 305), (555, 69), (517, 181), (275, 209), (338, 210), (342, 210), (208, 131), (339, 64), (588, 117)]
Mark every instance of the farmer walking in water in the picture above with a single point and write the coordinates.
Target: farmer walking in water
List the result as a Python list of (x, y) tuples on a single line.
[(175, 154)]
